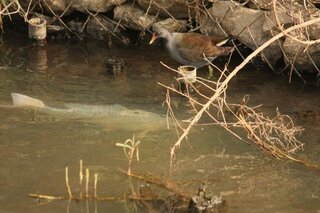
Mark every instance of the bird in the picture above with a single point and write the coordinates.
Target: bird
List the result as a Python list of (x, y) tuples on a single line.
[(190, 48)]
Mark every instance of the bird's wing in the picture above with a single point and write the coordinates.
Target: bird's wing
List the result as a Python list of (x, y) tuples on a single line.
[(193, 46), (217, 39)]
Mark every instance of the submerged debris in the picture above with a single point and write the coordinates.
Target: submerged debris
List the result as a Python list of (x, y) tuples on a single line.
[(114, 65), (204, 202)]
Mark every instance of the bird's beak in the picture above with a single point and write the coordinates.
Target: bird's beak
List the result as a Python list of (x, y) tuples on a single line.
[(153, 38)]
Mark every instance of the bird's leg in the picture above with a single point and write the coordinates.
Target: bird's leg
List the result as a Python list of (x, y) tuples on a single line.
[(210, 72)]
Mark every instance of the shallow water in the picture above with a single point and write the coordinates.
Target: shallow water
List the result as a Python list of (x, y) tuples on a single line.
[(36, 147)]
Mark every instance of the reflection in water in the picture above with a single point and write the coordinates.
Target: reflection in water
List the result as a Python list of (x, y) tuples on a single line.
[(37, 59), (34, 152)]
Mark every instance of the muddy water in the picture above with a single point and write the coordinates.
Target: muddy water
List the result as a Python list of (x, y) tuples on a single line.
[(36, 147)]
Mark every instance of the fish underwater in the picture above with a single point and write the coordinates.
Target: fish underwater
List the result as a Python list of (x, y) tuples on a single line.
[(113, 115)]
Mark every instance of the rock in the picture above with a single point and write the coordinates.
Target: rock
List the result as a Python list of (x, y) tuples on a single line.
[(76, 26), (169, 8), (102, 28), (57, 6), (173, 25), (287, 20), (299, 55), (300, 11), (270, 25), (94, 5), (133, 17), (303, 58), (260, 4), (235, 21), (68, 6)]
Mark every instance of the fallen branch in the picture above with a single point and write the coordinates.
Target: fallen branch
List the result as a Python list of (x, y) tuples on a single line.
[(120, 198)]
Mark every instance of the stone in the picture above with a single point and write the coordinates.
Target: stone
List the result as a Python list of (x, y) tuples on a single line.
[(95, 6), (244, 24), (295, 13), (169, 8), (133, 17), (57, 6), (270, 25), (173, 25), (260, 4), (102, 28), (76, 26), (304, 59), (68, 6)]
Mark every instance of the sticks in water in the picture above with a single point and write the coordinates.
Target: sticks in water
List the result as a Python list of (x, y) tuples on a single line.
[(87, 196)]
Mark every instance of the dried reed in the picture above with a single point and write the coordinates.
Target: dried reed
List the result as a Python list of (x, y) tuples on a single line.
[(67, 183), (95, 185), (81, 178), (87, 182)]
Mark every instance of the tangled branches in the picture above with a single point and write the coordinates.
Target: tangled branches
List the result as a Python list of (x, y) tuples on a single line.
[(274, 136)]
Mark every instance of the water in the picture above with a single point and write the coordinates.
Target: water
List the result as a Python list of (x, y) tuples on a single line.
[(36, 148)]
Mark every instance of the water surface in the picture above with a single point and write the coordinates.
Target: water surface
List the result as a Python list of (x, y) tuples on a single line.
[(36, 147)]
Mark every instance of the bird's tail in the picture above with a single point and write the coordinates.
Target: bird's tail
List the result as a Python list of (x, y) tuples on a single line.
[(20, 100)]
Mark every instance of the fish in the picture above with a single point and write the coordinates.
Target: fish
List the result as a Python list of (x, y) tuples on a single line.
[(114, 115)]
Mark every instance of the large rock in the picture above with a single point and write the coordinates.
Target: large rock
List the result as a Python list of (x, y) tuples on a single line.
[(94, 5), (67, 6), (173, 25), (260, 4), (300, 11), (295, 13), (270, 25), (268, 4), (57, 6), (133, 17), (244, 24), (304, 58), (169, 8), (102, 28)]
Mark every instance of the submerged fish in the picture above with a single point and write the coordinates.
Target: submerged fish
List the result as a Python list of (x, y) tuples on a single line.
[(114, 115)]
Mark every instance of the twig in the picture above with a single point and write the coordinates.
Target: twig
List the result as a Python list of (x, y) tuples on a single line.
[(120, 198), (87, 182), (81, 178), (95, 185), (48, 197), (164, 183), (67, 183)]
